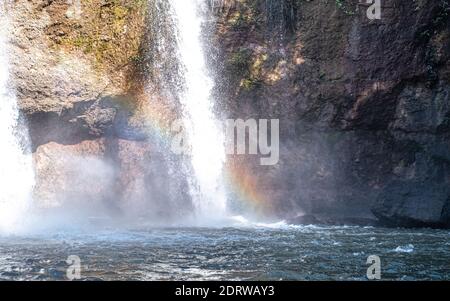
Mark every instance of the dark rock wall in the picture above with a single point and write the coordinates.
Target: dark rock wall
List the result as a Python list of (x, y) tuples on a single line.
[(363, 104)]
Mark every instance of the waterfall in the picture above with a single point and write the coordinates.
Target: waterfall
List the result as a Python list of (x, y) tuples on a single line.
[(16, 170), (207, 152)]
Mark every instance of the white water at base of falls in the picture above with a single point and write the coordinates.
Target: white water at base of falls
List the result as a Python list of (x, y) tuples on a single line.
[(16, 169), (203, 131)]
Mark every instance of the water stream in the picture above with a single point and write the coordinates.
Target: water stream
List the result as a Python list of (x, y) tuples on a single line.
[(16, 170), (206, 141)]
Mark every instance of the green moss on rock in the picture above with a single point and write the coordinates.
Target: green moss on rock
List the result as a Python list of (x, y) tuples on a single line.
[(108, 31)]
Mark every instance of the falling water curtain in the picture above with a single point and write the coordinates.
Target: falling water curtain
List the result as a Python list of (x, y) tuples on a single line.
[(281, 14)]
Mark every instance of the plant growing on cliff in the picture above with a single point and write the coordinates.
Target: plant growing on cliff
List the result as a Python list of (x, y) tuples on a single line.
[(247, 66), (240, 61), (247, 16), (109, 31), (343, 6)]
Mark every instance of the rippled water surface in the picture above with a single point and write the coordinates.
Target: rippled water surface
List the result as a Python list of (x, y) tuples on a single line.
[(287, 253)]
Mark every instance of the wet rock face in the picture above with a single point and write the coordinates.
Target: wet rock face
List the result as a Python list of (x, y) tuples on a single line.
[(414, 204), (110, 177), (363, 105), (75, 95), (148, 185), (48, 78), (69, 76), (66, 174)]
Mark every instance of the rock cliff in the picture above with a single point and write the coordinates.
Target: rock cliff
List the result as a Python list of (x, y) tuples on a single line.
[(363, 104)]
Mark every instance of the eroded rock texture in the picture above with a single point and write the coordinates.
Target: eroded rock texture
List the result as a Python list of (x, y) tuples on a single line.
[(363, 104)]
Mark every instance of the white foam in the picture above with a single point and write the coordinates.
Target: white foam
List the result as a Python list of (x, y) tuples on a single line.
[(405, 249)]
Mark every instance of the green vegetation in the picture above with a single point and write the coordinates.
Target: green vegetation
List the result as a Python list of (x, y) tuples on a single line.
[(240, 61), (247, 16), (345, 7), (110, 31), (248, 67)]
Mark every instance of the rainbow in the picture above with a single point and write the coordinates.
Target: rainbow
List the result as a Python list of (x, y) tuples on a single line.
[(242, 186)]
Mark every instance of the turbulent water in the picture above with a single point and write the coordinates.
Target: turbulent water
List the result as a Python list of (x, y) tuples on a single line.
[(270, 252), (16, 172)]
